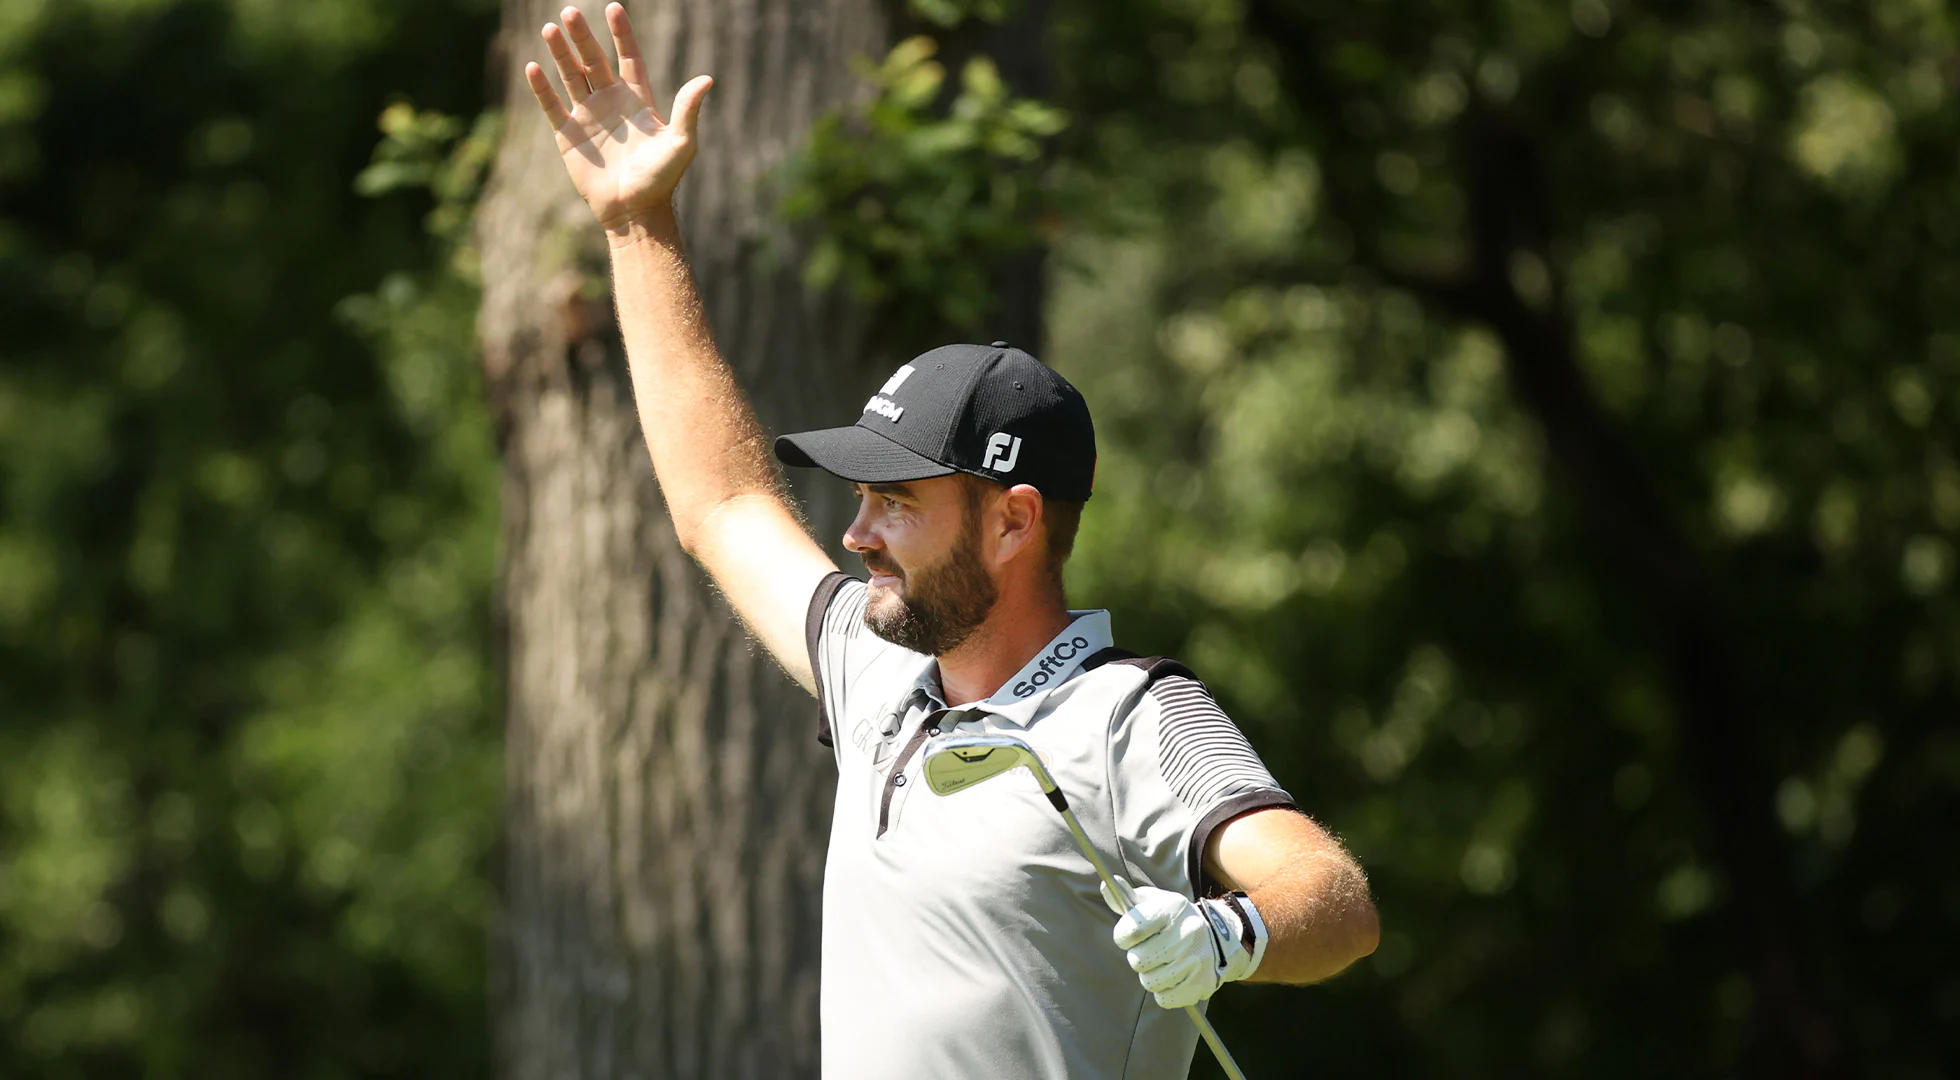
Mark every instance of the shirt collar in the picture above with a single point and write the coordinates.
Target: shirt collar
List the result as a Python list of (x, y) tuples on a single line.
[(1058, 661), (1086, 635)]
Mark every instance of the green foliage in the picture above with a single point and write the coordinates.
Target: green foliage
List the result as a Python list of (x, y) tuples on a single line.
[(248, 755), (1325, 485), (433, 151), (947, 14), (910, 206), (249, 766)]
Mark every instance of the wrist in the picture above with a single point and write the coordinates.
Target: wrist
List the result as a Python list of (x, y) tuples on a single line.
[(1241, 933), (641, 225)]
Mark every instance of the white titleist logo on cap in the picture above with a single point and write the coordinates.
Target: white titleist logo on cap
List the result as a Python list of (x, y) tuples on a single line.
[(1003, 450)]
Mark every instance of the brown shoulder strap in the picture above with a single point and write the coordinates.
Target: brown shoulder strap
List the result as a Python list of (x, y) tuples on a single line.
[(1154, 667)]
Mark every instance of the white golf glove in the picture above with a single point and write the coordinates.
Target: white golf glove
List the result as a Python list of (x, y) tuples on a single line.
[(1183, 951)]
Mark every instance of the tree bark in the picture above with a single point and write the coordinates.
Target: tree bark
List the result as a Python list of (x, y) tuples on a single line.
[(667, 802)]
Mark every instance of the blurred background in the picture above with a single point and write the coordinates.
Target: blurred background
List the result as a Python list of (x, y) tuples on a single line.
[(1535, 420)]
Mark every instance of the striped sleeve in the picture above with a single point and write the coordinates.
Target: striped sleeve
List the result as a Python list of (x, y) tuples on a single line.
[(1208, 765)]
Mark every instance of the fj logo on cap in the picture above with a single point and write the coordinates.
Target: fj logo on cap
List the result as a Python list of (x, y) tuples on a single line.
[(1003, 450)]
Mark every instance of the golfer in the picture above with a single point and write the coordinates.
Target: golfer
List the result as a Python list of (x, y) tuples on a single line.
[(965, 934)]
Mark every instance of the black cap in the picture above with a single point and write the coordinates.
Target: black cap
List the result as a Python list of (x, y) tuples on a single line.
[(989, 410)]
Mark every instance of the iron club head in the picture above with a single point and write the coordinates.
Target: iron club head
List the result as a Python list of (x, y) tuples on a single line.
[(961, 761)]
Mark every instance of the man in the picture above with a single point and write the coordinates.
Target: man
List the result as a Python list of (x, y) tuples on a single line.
[(963, 935)]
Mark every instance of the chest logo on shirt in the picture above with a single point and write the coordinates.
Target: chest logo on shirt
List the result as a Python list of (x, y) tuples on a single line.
[(1053, 663)]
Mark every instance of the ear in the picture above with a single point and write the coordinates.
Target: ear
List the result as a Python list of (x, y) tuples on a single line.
[(1020, 523)]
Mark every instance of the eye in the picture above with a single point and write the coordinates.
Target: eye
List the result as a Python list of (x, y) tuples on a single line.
[(890, 503)]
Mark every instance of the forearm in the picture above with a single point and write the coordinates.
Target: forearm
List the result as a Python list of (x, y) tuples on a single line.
[(1319, 915), (706, 445), (729, 510)]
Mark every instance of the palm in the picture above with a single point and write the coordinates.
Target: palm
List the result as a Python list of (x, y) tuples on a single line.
[(623, 158)]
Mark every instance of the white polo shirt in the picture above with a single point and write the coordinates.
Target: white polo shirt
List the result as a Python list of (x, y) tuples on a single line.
[(963, 935)]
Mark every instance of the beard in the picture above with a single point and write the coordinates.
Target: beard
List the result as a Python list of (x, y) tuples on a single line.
[(943, 604)]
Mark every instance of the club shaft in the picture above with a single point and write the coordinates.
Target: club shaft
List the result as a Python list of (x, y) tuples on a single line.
[(1217, 1045), (1116, 885), (1123, 892)]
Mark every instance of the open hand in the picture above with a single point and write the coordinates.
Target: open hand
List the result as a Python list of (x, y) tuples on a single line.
[(624, 159)]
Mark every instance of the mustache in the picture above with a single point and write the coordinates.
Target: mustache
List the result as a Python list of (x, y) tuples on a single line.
[(878, 565)]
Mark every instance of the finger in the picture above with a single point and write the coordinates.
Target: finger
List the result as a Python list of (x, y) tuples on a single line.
[(632, 66), (687, 104), (1112, 901), (1156, 951), (1138, 925), (598, 71), (1180, 997), (570, 71), (1143, 959), (1169, 977), (554, 108), (1152, 910)]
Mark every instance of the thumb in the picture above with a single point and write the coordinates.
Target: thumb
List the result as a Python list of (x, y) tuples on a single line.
[(1115, 902), (687, 104)]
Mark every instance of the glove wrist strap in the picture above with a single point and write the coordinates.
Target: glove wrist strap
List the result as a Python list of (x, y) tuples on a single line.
[(1243, 953), (1253, 937)]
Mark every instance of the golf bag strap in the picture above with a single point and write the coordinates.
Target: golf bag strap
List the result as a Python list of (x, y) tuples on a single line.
[(1154, 667)]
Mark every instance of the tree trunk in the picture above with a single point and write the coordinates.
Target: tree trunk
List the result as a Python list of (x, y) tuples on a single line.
[(667, 801)]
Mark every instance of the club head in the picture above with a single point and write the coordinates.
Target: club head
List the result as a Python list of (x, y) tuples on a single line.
[(961, 761)]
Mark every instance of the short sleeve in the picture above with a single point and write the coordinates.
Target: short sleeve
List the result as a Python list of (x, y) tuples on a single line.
[(813, 635), (1188, 770), (849, 661)]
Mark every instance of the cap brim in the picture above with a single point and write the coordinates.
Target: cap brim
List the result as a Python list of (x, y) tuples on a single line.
[(861, 456)]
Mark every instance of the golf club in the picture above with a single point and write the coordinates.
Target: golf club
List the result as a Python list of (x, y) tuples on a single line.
[(961, 761)]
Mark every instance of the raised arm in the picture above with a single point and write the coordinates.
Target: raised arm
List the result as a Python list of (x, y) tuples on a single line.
[(729, 508)]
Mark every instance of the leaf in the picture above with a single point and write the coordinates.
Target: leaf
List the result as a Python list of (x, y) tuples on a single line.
[(905, 56), (820, 269), (981, 79), (385, 176)]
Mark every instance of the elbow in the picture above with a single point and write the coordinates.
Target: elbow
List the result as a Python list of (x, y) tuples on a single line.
[(1358, 935), (688, 535), (1362, 922), (1346, 940), (1365, 935), (695, 526), (700, 525)]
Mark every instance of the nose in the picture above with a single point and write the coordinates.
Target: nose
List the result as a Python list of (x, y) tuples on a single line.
[(858, 537)]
